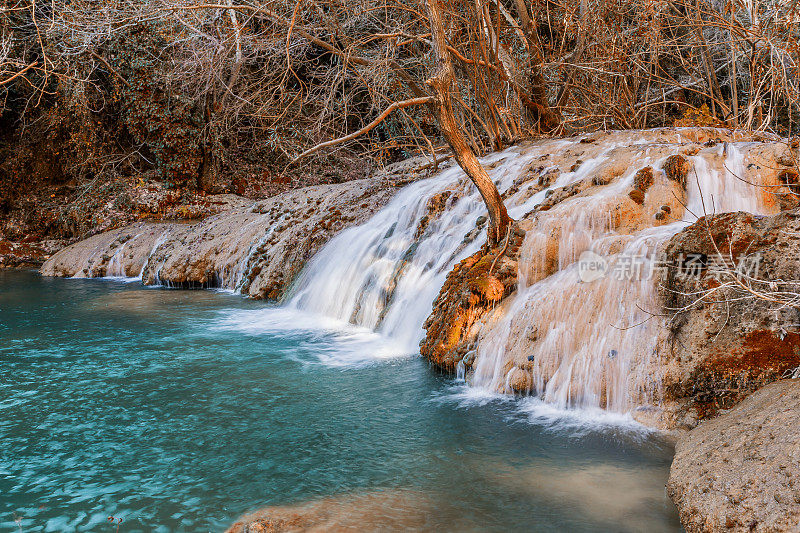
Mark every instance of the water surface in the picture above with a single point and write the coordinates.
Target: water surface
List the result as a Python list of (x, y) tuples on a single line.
[(182, 410)]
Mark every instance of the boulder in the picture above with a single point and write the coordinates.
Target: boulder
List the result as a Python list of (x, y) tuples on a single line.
[(728, 334), (741, 470)]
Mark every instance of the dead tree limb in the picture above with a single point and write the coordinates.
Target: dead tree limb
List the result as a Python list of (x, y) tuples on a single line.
[(366, 129)]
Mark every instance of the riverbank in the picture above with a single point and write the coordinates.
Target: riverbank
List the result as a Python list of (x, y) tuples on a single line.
[(741, 470), (255, 248), (27, 254)]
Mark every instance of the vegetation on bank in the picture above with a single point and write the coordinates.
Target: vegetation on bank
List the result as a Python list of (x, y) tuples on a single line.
[(100, 106)]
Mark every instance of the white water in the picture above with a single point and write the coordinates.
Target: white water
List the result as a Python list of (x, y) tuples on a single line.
[(335, 342), (116, 265), (587, 345), (592, 345), (233, 277), (115, 268), (378, 276)]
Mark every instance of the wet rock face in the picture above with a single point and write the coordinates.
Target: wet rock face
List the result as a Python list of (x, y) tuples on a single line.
[(607, 197), (644, 179), (741, 471), (722, 341), (641, 182), (474, 287), (556, 196), (436, 206), (788, 195), (677, 168)]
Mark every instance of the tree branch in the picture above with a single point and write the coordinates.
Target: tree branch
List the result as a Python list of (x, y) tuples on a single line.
[(109, 67), (18, 74), (366, 129)]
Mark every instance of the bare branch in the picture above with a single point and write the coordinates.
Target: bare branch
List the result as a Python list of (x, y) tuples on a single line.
[(369, 127)]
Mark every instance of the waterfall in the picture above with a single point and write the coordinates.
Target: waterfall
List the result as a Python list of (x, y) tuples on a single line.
[(116, 268), (570, 342), (156, 245), (721, 190), (591, 344), (385, 274), (234, 276), (585, 344), (609, 201), (378, 275), (116, 265)]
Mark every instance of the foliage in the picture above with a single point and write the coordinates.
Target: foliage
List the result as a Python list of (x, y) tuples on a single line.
[(214, 94), (164, 123)]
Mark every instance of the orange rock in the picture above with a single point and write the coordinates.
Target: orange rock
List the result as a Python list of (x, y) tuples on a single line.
[(637, 196), (677, 168), (489, 287), (644, 179)]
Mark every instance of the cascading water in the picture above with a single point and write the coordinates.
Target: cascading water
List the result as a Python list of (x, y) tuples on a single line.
[(568, 341), (116, 265), (115, 268), (385, 274), (584, 344), (569, 336), (156, 245), (591, 344), (581, 344), (234, 277)]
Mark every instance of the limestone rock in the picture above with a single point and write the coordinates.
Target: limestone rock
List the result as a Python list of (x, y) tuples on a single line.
[(677, 168), (789, 194), (722, 343), (257, 249), (391, 510), (741, 470)]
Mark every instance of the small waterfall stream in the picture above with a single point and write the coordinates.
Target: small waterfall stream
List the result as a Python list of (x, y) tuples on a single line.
[(584, 344), (591, 344), (385, 274)]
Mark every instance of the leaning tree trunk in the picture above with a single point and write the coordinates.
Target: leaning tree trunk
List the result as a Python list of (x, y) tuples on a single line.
[(442, 83)]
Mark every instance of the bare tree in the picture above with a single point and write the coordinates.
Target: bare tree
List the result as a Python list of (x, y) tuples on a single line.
[(284, 81), (442, 84)]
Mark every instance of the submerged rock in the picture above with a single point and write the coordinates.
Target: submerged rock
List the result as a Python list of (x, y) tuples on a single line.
[(394, 510), (741, 471)]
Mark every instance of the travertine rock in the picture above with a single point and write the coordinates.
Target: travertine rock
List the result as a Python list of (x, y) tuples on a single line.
[(391, 510), (722, 342), (256, 249), (741, 470)]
